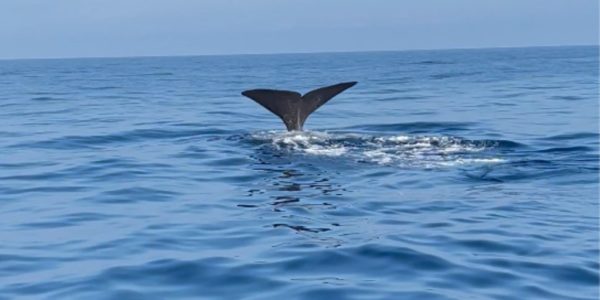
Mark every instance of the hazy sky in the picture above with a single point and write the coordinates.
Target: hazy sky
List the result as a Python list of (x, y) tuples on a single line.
[(81, 28)]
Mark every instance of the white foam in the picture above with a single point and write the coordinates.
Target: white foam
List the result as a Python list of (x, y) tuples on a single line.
[(378, 156), (470, 161), (402, 150), (399, 138), (333, 151)]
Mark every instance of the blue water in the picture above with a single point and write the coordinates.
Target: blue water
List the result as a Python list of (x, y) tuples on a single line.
[(456, 174)]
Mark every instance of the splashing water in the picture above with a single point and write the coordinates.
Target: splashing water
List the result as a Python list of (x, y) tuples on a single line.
[(399, 150)]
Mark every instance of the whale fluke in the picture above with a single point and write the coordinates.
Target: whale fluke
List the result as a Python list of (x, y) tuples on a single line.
[(293, 108)]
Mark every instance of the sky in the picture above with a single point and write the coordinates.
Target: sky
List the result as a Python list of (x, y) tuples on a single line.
[(109, 28)]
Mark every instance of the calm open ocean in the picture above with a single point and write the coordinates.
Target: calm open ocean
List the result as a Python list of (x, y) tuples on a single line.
[(454, 174)]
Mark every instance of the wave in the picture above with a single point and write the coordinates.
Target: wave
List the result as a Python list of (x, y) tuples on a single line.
[(414, 127), (94, 141), (324, 274)]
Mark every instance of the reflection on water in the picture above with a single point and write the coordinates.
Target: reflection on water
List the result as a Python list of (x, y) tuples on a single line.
[(291, 192)]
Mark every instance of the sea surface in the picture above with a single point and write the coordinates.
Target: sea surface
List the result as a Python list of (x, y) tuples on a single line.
[(450, 174)]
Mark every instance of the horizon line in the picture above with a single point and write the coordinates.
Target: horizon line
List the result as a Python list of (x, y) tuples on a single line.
[(294, 53)]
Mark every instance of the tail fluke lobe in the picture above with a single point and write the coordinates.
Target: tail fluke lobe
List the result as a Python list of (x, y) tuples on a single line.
[(315, 98), (291, 107), (284, 104)]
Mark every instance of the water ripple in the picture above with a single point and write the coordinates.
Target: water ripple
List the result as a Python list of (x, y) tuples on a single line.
[(433, 178)]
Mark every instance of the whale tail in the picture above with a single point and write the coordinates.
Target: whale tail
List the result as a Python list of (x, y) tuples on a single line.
[(293, 108)]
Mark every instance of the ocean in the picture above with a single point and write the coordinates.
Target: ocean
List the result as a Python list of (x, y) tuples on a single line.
[(443, 174)]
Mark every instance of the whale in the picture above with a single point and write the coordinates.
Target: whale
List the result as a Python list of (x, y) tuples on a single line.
[(292, 107)]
